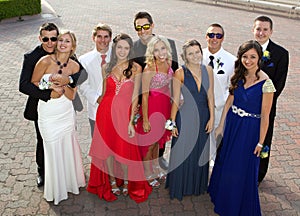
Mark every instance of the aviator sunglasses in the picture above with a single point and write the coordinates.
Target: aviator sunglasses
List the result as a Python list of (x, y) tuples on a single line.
[(46, 39), (145, 27), (212, 35)]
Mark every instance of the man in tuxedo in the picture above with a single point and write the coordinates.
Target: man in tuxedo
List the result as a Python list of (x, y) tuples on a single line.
[(92, 61), (143, 24), (48, 33), (222, 63), (275, 63)]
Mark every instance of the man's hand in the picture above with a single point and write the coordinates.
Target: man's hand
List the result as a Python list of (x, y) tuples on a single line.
[(54, 94), (59, 79)]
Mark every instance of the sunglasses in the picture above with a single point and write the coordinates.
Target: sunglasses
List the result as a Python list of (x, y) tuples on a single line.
[(212, 35), (46, 39), (145, 27)]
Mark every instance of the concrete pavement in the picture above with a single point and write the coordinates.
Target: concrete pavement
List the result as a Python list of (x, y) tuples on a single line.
[(180, 20)]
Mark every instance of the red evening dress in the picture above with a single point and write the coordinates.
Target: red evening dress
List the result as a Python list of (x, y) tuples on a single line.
[(159, 110), (111, 139)]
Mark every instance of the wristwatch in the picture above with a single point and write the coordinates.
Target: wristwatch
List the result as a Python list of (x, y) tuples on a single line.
[(71, 82)]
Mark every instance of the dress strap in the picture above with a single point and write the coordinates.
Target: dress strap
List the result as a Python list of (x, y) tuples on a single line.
[(156, 68)]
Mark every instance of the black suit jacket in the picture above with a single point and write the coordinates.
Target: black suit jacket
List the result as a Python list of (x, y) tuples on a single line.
[(277, 68), (34, 93)]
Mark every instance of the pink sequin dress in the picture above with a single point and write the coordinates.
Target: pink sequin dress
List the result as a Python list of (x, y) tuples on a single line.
[(159, 110)]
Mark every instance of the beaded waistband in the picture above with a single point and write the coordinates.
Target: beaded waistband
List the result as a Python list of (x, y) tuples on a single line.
[(243, 113)]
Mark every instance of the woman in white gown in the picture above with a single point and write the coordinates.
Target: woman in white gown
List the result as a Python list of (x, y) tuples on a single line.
[(63, 164)]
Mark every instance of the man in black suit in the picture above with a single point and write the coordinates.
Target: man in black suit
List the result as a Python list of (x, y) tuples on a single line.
[(143, 24), (48, 38), (275, 63)]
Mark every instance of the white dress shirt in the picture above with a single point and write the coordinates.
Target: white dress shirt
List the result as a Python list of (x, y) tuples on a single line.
[(91, 89), (223, 70)]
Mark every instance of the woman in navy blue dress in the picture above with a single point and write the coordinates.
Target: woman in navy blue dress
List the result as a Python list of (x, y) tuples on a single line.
[(233, 186), (188, 167)]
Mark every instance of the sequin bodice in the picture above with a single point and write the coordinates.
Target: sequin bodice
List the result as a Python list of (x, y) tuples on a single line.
[(160, 80)]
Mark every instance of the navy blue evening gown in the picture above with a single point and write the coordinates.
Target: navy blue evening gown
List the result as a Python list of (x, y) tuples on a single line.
[(188, 166), (233, 185)]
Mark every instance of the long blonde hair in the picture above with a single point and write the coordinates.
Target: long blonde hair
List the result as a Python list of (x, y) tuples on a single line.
[(150, 49)]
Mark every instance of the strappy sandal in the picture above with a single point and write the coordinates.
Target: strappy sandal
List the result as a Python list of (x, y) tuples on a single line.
[(116, 191), (125, 188), (153, 182), (162, 176)]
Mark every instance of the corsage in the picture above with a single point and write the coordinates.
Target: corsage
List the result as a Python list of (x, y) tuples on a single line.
[(44, 84), (264, 152), (170, 125)]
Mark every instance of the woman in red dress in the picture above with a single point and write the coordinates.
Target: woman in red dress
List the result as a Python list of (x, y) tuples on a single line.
[(116, 161)]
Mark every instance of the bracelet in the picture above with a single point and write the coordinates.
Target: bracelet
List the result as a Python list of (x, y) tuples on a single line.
[(170, 125), (259, 145)]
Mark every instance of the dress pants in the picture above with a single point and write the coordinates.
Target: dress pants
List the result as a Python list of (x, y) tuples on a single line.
[(39, 156), (264, 162)]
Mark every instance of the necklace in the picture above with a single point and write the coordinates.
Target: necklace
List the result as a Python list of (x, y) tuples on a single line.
[(60, 65)]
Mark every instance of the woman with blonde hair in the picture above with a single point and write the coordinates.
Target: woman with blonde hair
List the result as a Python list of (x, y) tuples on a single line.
[(156, 106), (63, 164)]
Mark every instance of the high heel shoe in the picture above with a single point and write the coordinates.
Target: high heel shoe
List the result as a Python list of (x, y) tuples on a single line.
[(114, 188), (153, 182), (125, 188)]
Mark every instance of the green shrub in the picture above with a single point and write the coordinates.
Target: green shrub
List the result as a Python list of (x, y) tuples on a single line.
[(17, 8)]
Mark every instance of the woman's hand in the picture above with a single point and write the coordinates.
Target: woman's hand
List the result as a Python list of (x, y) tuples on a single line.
[(219, 131), (257, 150), (209, 126), (175, 132), (146, 126), (131, 130)]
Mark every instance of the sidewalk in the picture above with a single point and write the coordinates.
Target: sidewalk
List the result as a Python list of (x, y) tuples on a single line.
[(288, 8)]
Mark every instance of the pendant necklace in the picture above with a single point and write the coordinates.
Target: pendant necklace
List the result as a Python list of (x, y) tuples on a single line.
[(61, 65)]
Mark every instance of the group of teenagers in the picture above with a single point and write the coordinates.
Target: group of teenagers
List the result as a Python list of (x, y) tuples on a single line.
[(217, 109)]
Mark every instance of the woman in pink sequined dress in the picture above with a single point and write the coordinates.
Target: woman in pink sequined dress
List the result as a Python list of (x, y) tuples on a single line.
[(156, 106)]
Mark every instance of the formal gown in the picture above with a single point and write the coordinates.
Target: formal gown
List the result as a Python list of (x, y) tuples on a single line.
[(233, 185), (63, 164), (111, 139), (159, 109), (188, 166)]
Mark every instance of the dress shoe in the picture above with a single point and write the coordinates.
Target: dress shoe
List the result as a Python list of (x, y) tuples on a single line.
[(163, 163), (40, 181)]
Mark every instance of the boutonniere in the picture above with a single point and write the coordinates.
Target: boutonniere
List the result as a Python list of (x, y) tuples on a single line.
[(265, 151), (219, 63), (266, 56)]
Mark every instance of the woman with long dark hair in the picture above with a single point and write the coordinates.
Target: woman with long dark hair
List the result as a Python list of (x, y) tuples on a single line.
[(233, 186), (116, 162)]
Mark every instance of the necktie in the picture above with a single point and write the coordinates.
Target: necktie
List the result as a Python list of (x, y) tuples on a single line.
[(103, 60), (211, 63)]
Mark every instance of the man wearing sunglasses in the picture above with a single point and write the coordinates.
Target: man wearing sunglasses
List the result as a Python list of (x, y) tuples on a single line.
[(48, 38), (275, 63), (222, 63), (143, 24)]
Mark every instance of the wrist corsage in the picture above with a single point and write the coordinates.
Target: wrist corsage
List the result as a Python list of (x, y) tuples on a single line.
[(44, 84), (136, 118), (170, 125), (264, 152)]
